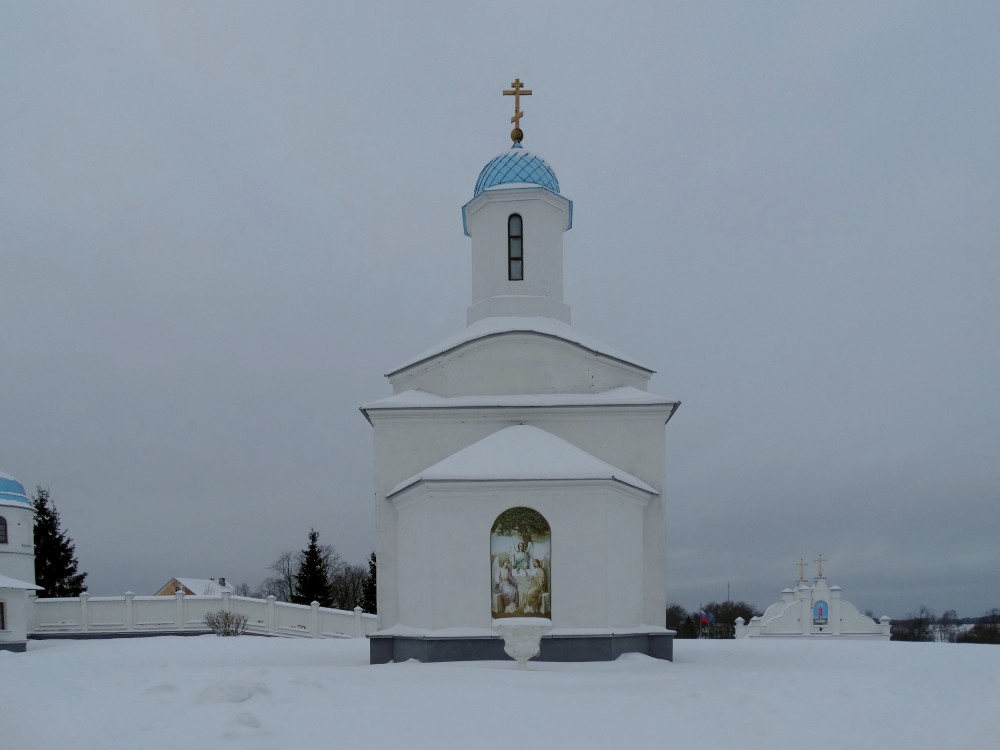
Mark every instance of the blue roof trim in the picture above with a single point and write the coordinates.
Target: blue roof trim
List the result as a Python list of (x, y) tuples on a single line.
[(517, 165), (12, 491)]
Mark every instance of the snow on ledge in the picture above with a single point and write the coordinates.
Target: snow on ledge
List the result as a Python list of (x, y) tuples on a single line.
[(7, 582), (624, 396)]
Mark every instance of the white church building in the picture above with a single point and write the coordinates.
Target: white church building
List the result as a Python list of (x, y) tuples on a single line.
[(519, 464), (17, 563)]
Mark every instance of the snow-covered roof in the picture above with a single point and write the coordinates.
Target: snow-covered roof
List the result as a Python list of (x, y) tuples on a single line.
[(203, 586), (415, 399), (497, 326), (6, 582), (521, 452)]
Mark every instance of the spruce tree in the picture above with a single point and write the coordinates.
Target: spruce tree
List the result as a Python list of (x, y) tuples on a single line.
[(55, 553), (312, 580), (369, 594)]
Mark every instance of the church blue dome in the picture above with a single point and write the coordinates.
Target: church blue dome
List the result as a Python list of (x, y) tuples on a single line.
[(517, 165), (11, 490)]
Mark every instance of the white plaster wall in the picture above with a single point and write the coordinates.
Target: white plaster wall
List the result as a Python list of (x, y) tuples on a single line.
[(518, 363), (629, 437), (853, 621), (17, 557), (444, 539), (545, 217), (16, 603)]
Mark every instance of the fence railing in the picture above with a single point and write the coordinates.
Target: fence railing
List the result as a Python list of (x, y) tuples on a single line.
[(106, 615)]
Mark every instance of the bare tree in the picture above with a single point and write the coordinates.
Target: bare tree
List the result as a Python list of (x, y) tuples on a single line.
[(282, 583), (916, 627), (349, 587), (242, 589), (947, 627)]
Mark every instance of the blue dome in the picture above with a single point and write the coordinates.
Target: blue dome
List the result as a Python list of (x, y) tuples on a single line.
[(11, 490), (517, 165)]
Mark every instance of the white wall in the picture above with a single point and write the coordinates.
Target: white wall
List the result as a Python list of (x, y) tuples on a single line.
[(132, 614), (17, 557), (597, 552), (545, 217), (406, 442), (16, 606)]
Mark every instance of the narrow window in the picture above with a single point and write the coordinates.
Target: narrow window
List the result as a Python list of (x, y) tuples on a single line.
[(515, 249), (3, 530), (3, 616)]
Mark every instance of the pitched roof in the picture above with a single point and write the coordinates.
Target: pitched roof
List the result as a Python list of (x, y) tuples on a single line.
[(200, 586), (12, 583), (521, 452), (497, 326)]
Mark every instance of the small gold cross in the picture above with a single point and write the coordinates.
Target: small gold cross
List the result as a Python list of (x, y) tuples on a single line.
[(517, 91), (802, 569), (820, 561)]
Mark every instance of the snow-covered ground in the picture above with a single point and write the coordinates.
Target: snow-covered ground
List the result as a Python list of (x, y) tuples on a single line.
[(251, 692)]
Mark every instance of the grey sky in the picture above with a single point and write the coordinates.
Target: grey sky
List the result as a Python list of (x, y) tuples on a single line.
[(221, 223)]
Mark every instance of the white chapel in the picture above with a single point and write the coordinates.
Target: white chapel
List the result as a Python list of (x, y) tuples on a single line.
[(519, 464)]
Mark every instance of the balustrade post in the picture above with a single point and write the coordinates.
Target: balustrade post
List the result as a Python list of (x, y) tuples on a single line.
[(84, 611), (32, 612), (359, 625), (129, 611), (314, 619), (179, 608), (271, 599)]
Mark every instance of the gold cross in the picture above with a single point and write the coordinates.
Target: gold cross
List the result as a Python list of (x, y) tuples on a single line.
[(802, 569), (517, 91), (820, 561)]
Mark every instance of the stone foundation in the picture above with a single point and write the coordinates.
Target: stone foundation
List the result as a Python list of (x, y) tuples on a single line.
[(554, 647)]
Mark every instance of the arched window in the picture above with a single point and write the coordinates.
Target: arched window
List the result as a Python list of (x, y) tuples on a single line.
[(3, 530), (515, 248), (521, 564)]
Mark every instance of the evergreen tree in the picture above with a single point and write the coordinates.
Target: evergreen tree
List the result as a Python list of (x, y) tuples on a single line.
[(312, 580), (55, 553), (369, 593)]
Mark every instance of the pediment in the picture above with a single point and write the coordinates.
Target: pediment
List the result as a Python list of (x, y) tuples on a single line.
[(525, 453)]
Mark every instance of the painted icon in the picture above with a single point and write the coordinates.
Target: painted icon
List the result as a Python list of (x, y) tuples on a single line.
[(521, 564)]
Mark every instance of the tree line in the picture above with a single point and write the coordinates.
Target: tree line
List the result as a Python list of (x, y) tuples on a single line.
[(712, 620), (948, 628), (318, 574)]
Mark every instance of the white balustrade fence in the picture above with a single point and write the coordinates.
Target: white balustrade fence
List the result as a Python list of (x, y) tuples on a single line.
[(105, 615)]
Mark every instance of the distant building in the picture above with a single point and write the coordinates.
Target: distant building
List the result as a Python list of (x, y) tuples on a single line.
[(194, 587), (17, 563), (818, 611)]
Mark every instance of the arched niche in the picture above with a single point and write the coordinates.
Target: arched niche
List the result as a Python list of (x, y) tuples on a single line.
[(821, 613), (521, 564)]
